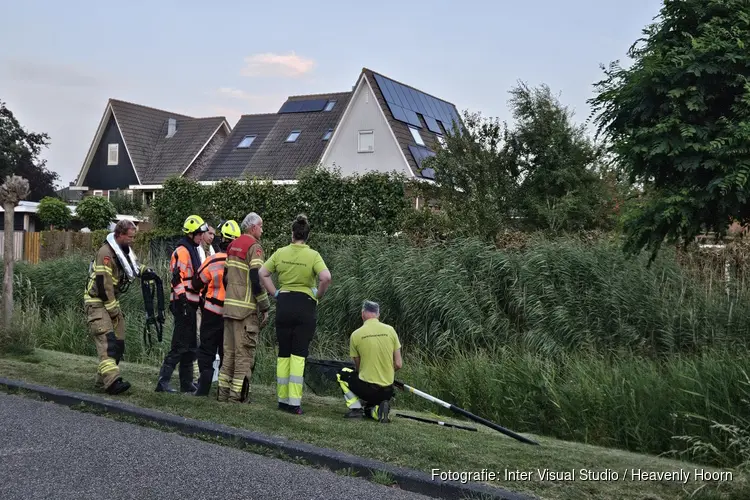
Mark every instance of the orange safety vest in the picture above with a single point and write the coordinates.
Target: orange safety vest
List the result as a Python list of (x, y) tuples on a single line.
[(181, 268), (211, 273)]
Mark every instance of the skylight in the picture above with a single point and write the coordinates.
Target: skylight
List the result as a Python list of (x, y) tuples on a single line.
[(416, 135), (329, 106), (293, 136), (328, 134), (246, 141)]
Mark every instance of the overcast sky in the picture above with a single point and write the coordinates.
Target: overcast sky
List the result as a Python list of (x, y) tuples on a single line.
[(61, 61)]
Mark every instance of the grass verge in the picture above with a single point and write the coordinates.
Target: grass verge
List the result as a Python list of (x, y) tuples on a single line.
[(403, 443)]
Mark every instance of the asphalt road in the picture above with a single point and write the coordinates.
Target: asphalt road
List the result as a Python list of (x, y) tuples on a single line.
[(50, 451)]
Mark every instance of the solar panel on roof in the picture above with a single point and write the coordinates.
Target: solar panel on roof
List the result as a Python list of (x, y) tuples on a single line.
[(306, 106), (420, 154), (406, 102), (398, 112), (412, 118), (432, 124)]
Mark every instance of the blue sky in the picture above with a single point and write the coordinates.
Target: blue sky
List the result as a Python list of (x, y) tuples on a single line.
[(61, 61)]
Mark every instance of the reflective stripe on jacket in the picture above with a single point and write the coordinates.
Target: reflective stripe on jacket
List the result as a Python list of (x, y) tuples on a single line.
[(211, 277), (243, 255), (104, 277), (181, 268)]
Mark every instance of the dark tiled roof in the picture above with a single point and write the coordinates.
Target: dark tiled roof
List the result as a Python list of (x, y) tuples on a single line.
[(156, 157), (281, 160), (229, 161), (401, 129)]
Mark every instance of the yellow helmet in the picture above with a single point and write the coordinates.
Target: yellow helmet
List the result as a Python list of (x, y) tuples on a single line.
[(230, 230), (194, 224)]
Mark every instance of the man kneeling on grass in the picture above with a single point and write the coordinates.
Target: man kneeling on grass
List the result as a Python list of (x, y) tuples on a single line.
[(376, 351)]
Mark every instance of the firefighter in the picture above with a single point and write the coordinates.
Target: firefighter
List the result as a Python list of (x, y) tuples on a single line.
[(184, 301), (246, 307), (297, 266), (376, 351), (210, 280), (107, 280)]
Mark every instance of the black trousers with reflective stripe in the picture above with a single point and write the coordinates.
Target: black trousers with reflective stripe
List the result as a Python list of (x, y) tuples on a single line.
[(369, 394), (212, 339)]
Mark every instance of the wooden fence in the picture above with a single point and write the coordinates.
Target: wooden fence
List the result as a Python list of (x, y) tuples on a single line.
[(18, 245)]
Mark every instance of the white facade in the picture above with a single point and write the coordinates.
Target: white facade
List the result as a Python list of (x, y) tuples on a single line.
[(363, 141)]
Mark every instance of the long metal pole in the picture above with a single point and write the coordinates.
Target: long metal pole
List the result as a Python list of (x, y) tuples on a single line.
[(465, 413), (433, 399)]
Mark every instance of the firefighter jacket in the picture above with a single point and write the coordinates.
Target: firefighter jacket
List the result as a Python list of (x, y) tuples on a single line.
[(210, 278), (182, 266), (244, 293), (106, 277)]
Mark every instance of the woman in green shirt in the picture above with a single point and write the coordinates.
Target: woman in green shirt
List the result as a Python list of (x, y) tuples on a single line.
[(297, 266)]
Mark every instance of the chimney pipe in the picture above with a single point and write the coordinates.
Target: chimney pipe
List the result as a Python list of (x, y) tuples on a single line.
[(172, 128)]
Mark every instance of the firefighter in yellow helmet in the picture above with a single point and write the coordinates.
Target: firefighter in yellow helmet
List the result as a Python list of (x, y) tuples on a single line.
[(245, 310), (107, 280), (184, 301), (209, 282)]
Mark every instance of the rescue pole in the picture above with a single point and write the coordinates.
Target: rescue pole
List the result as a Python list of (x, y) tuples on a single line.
[(467, 414), (438, 422), (455, 409)]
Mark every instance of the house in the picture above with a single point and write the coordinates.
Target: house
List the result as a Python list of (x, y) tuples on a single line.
[(138, 147), (25, 218), (381, 125)]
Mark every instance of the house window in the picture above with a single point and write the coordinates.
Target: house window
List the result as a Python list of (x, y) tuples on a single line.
[(97, 192), (293, 136), (328, 134), (366, 141), (330, 105), (246, 141), (416, 135), (113, 154)]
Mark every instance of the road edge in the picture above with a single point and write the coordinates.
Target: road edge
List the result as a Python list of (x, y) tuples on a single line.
[(407, 479)]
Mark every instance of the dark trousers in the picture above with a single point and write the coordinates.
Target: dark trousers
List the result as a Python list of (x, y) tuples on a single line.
[(296, 316), (212, 339), (369, 394), (184, 343)]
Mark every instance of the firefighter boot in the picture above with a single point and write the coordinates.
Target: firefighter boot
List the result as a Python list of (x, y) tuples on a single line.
[(186, 378), (118, 387), (204, 382), (162, 385)]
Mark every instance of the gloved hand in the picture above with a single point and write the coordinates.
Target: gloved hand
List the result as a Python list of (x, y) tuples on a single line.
[(315, 292), (276, 294)]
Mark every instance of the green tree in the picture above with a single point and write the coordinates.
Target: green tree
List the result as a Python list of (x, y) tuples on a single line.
[(19, 155), (54, 212), (95, 212), (679, 119), (477, 180), (560, 165)]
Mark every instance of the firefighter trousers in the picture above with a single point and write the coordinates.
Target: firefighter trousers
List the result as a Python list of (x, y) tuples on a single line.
[(109, 337), (184, 346), (240, 342)]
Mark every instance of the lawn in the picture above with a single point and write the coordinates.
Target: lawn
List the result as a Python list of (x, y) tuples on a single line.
[(403, 442)]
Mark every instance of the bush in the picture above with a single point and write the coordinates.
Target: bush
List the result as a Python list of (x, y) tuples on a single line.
[(96, 212), (370, 203), (54, 212)]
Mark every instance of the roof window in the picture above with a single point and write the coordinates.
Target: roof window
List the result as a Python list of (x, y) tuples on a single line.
[(293, 136), (246, 141)]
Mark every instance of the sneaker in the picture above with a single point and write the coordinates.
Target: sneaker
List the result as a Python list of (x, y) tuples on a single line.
[(355, 413), (296, 410), (383, 411)]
